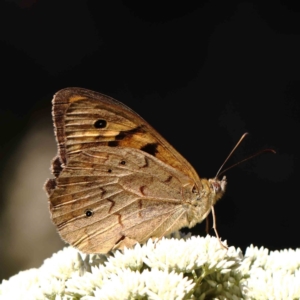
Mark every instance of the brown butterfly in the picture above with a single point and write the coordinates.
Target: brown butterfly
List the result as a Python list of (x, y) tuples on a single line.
[(118, 181)]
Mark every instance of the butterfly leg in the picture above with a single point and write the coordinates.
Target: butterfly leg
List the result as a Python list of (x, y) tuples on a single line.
[(215, 227)]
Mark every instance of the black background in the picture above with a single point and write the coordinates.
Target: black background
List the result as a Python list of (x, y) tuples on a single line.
[(201, 74)]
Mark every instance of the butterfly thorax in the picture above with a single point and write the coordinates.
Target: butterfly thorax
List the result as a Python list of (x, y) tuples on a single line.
[(210, 192)]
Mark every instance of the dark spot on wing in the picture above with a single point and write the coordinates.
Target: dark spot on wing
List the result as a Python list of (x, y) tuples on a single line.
[(88, 213), (56, 167), (103, 192), (120, 136), (100, 124), (113, 143), (142, 190), (150, 148), (120, 239), (112, 205), (120, 219), (168, 179)]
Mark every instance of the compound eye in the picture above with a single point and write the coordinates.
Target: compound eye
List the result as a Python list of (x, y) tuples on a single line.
[(216, 186)]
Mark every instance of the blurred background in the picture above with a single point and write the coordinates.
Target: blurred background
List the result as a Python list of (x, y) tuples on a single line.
[(202, 74)]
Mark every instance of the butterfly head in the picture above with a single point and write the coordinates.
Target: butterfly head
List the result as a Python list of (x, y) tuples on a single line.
[(210, 192), (217, 188)]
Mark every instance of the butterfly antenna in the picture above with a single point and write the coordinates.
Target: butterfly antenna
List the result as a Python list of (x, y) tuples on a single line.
[(247, 158), (237, 144)]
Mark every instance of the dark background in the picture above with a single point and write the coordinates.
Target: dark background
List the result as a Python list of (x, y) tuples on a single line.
[(201, 74)]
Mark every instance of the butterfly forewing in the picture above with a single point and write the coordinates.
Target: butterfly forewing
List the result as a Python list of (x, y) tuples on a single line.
[(76, 113)]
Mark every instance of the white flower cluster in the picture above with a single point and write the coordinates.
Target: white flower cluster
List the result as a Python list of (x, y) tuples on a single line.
[(274, 275), (192, 268)]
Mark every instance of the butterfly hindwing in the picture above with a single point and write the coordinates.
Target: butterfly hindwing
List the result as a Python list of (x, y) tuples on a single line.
[(104, 197)]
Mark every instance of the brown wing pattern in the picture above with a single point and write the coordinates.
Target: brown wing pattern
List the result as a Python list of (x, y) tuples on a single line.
[(86, 120), (109, 197)]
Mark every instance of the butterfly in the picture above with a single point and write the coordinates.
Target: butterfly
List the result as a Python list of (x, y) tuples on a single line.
[(117, 181)]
